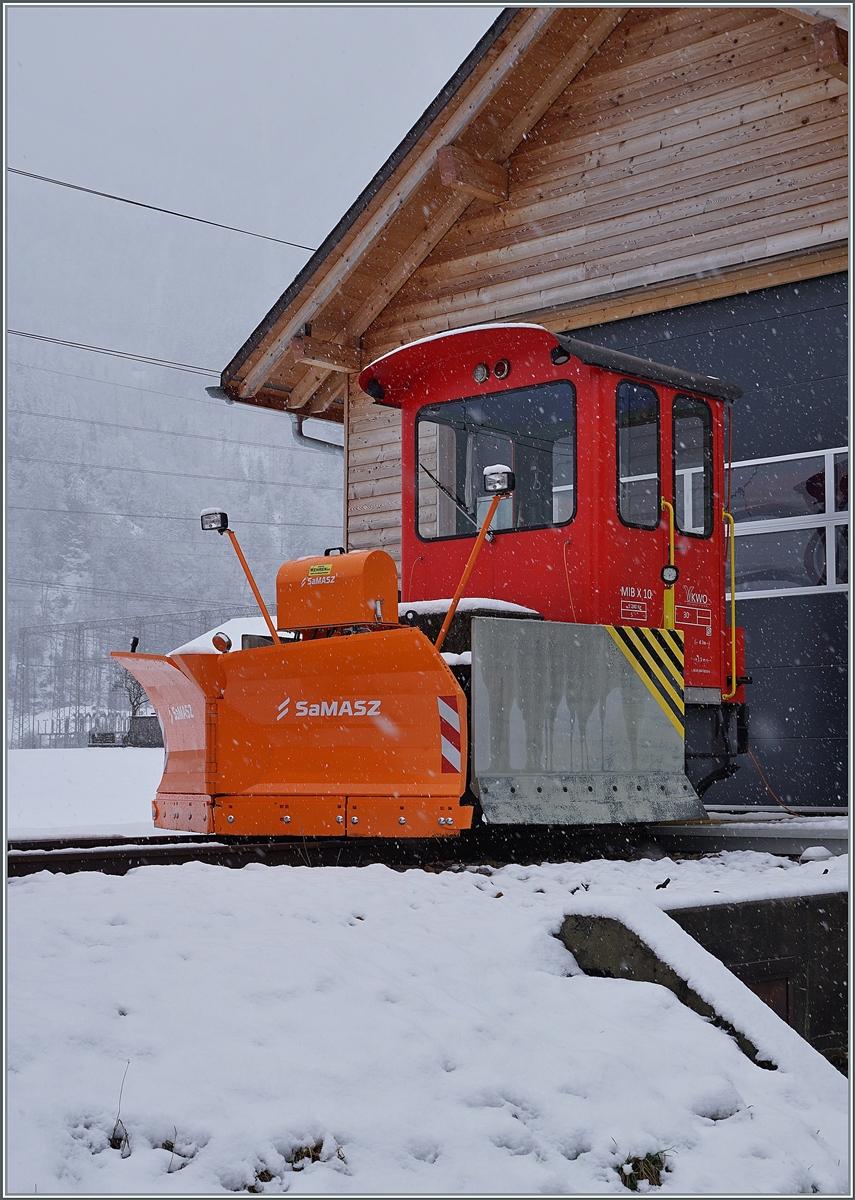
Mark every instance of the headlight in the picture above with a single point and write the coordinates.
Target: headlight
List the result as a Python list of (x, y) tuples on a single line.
[(212, 518), (498, 478)]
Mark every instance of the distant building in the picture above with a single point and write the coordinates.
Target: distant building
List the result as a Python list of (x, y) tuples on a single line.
[(668, 181)]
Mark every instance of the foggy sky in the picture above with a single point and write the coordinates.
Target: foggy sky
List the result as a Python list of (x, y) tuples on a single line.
[(273, 119), (269, 118)]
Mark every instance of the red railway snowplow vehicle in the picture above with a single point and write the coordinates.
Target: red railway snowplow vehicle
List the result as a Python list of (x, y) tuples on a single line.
[(593, 675)]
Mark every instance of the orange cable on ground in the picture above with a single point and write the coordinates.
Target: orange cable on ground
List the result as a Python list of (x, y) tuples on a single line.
[(774, 797)]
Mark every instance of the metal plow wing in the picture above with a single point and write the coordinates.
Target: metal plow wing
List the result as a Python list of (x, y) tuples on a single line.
[(578, 724)]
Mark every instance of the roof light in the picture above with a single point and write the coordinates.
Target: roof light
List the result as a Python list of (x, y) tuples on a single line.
[(375, 389), (481, 373)]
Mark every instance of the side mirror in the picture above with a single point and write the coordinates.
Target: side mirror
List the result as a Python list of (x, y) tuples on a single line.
[(499, 480), (212, 518)]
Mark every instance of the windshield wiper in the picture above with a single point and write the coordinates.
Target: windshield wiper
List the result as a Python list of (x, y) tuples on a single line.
[(454, 499)]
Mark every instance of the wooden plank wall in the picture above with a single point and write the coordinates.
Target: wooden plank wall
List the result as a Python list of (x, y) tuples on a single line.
[(373, 463), (695, 140)]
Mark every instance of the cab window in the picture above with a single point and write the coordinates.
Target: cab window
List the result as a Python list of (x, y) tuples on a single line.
[(693, 477), (531, 430), (638, 455)]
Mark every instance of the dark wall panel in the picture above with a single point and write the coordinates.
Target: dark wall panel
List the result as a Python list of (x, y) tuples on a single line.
[(796, 631), (778, 710), (785, 347), (796, 654)]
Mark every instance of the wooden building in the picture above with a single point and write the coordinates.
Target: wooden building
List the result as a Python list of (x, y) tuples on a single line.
[(657, 179)]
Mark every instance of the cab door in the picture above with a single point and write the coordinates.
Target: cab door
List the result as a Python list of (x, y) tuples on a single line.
[(696, 493), (665, 446), (632, 552)]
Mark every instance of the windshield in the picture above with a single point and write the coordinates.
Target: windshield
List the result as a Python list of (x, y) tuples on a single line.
[(532, 430)]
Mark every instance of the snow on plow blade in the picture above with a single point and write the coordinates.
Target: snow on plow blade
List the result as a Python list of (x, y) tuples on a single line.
[(363, 735)]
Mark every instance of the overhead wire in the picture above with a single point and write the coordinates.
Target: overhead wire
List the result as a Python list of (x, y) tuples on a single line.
[(133, 357), (77, 587), (94, 512), (76, 187), (150, 360), (124, 469), (128, 386), (147, 391), (156, 362), (118, 426)]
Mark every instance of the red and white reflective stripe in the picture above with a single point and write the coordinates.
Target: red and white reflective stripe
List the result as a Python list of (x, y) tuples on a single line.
[(449, 732)]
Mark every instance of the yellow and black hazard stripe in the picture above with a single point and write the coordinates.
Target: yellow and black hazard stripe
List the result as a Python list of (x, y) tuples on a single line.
[(657, 657)]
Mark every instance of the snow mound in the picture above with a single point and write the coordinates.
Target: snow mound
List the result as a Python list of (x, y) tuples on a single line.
[(364, 1031)]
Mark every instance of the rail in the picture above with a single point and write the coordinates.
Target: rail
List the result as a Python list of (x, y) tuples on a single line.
[(493, 846)]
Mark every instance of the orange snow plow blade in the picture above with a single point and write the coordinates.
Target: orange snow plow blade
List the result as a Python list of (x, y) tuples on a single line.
[(362, 733)]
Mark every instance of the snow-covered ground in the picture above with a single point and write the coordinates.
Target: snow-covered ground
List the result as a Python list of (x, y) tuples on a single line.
[(86, 792), (426, 1033)]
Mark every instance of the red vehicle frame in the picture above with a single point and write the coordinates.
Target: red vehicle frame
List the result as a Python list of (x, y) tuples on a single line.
[(595, 568)]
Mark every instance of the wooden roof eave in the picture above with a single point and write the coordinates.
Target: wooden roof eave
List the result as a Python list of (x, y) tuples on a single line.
[(399, 188), (244, 365)]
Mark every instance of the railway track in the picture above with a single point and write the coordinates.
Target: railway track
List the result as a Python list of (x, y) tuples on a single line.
[(726, 830)]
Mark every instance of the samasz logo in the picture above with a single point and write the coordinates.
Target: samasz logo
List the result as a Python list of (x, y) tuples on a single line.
[(180, 712), (337, 708)]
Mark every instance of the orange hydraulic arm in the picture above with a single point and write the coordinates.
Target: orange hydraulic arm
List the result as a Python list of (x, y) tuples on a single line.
[(254, 586), (464, 579)]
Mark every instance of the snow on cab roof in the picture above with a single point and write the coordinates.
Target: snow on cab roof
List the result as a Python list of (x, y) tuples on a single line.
[(447, 333)]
